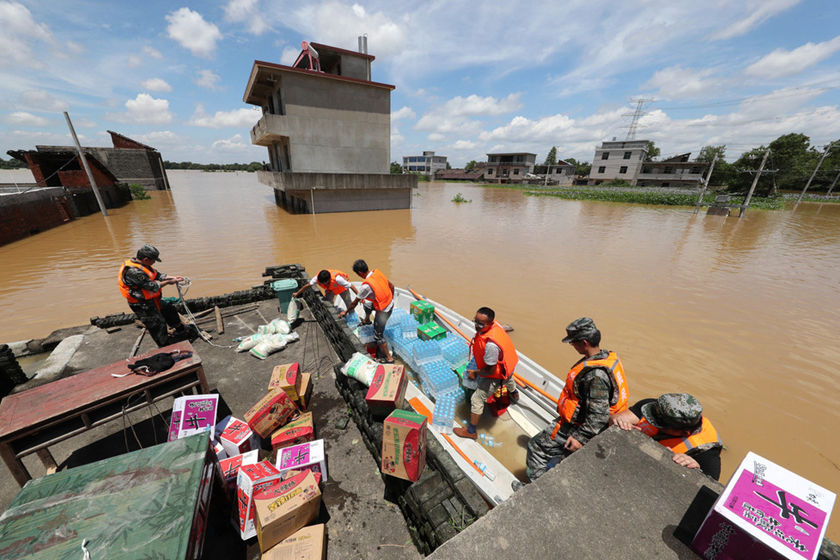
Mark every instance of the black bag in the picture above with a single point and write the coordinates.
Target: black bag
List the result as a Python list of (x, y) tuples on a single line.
[(158, 363)]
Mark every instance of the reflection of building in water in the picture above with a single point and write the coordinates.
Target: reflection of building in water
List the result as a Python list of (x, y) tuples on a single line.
[(626, 160), (327, 128)]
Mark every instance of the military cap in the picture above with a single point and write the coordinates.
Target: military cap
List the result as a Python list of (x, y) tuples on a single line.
[(678, 411), (148, 252), (580, 329)]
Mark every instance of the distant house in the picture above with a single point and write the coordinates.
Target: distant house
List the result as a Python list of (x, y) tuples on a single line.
[(561, 173), (677, 171), (618, 160), (509, 167), (427, 164)]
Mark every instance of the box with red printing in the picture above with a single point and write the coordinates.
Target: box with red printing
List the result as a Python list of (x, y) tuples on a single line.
[(236, 436), (271, 412), (193, 414), (309, 455), (249, 480), (299, 430), (404, 445), (387, 390), (230, 466), (286, 507), (765, 512), (286, 377)]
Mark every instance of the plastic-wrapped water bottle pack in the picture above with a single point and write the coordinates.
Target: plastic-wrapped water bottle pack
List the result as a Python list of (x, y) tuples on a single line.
[(455, 350), (438, 376)]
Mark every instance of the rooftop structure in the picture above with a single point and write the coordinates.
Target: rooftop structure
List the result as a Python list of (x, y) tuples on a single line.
[(327, 129), (509, 167)]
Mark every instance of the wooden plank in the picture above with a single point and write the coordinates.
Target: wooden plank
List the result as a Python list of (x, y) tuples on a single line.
[(137, 343), (19, 472), (220, 326), (48, 460)]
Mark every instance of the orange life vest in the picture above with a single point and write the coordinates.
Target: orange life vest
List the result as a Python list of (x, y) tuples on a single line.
[(569, 401), (126, 290), (706, 434), (382, 296), (507, 353), (332, 287)]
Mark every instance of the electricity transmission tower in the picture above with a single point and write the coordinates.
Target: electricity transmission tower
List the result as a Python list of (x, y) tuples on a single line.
[(637, 114)]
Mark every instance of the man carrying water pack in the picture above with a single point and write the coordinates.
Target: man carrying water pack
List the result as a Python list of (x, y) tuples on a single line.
[(141, 285), (595, 388), (377, 292), (496, 360)]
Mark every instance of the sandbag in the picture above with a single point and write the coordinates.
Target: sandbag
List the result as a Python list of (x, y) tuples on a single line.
[(360, 367), (268, 345), (293, 311), (276, 326), (249, 342)]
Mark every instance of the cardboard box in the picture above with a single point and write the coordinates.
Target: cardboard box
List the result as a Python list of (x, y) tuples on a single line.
[(220, 451), (236, 436), (284, 508), (431, 331), (271, 412), (294, 472), (422, 311), (299, 430), (230, 466), (306, 544), (249, 481), (765, 511), (286, 377), (305, 394), (404, 445), (193, 414), (387, 390), (309, 455)]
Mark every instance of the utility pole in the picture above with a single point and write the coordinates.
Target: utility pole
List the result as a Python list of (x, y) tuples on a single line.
[(86, 166), (808, 184), (754, 183), (832, 184), (705, 184)]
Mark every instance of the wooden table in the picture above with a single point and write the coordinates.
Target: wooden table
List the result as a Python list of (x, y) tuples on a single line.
[(32, 421)]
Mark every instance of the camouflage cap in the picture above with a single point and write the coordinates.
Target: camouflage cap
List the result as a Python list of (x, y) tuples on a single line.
[(580, 329), (148, 251), (673, 410)]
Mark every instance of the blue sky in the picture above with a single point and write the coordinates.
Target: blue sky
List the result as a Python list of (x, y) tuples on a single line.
[(470, 77)]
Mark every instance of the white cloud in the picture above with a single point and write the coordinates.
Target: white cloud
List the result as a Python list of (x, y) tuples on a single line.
[(193, 32), (156, 84), (396, 139), (248, 12), (19, 29), (42, 100), (134, 61), (152, 52), (676, 82), (207, 79), (464, 145), (759, 12), (289, 55), (404, 113), (436, 137), (160, 138), (235, 142), (26, 119), (237, 118), (453, 116), (145, 109), (74, 48), (781, 62)]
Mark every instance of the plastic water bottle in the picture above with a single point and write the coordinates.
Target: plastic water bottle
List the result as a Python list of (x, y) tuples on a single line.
[(484, 470)]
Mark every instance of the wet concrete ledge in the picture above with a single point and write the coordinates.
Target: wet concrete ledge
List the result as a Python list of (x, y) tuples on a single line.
[(621, 496)]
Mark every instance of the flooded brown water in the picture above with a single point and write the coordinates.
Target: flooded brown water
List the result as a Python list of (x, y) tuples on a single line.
[(741, 313)]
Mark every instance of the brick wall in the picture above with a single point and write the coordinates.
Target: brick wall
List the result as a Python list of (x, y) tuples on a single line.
[(29, 213)]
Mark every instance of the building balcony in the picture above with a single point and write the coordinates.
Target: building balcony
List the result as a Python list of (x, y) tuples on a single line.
[(268, 130)]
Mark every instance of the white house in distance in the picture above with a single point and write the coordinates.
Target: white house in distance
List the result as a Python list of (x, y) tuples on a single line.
[(427, 164), (626, 160)]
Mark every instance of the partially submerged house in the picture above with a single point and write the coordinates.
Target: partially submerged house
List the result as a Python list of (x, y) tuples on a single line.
[(561, 173), (628, 161), (327, 129), (509, 167), (677, 171)]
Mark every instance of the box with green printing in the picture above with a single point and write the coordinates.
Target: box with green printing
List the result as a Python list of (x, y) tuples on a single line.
[(431, 331), (422, 311)]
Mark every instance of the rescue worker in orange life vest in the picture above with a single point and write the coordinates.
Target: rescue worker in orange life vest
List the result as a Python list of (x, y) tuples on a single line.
[(141, 285), (595, 388), (676, 421), (377, 292), (334, 283), (496, 359)]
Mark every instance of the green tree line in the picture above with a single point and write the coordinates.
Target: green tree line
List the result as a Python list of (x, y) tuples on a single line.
[(253, 166), (12, 163)]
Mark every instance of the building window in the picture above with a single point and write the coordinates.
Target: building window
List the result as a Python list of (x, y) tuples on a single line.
[(605, 155), (627, 155), (602, 169), (516, 171), (622, 170), (668, 170), (490, 171)]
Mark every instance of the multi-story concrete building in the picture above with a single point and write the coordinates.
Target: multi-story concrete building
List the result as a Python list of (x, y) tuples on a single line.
[(677, 171), (618, 160), (509, 167), (327, 129), (427, 164)]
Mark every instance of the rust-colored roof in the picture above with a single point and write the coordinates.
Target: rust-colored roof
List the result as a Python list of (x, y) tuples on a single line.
[(131, 140)]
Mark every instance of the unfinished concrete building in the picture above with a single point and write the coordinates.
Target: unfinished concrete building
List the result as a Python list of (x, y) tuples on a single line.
[(327, 129), (509, 167), (677, 171), (627, 161), (427, 164)]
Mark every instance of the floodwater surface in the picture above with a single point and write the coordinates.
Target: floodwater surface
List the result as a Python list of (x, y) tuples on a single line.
[(742, 313)]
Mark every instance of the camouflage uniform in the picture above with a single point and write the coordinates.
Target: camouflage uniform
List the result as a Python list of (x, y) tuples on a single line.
[(593, 387)]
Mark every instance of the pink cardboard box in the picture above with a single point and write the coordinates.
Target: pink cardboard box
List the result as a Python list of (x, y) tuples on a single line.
[(236, 436), (249, 480), (193, 414), (306, 456), (765, 512)]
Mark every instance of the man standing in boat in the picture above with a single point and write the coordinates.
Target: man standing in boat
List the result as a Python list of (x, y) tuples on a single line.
[(140, 284), (676, 421), (496, 359), (595, 388), (377, 292), (334, 283)]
